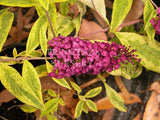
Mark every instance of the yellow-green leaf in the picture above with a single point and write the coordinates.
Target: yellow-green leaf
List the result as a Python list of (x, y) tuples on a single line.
[(76, 87), (50, 106), (93, 92), (51, 93), (116, 100), (7, 62), (77, 22), (25, 3), (52, 14), (34, 36), (120, 11), (85, 108), (149, 53), (91, 105), (61, 101), (79, 108), (99, 6), (64, 8), (43, 38), (35, 53), (41, 70), (49, 66), (28, 109), (64, 25), (14, 52), (30, 76), (44, 3), (81, 7), (149, 13), (62, 81), (22, 3), (14, 83), (6, 19), (51, 117)]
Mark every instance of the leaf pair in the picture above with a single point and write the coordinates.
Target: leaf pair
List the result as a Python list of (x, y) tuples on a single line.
[(26, 88), (85, 104)]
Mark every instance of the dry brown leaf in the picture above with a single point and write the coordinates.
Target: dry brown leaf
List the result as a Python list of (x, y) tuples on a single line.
[(66, 111), (74, 10), (121, 85), (100, 19), (152, 111), (5, 96), (48, 83), (109, 4), (108, 114), (37, 114), (28, 16), (137, 117), (157, 115), (17, 33), (19, 25), (156, 87), (89, 27), (104, 103), (136, 11)]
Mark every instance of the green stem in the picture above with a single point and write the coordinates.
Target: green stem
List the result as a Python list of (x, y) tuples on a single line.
[(49, 20)]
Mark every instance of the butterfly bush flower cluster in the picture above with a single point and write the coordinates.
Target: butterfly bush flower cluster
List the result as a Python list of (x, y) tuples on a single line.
[(156, 22), (74, 56)]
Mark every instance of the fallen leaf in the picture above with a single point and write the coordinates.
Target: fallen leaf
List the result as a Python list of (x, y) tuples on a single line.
[(17, 32), (156, 87), (136, 11), (37, 114), (152, 111), (74, 10), (29, 15), (89, 27), (19, 25), (5, 96), (104, 103), (100, 19), (109, 4), (108, 114), (137, 117), (121, 85)]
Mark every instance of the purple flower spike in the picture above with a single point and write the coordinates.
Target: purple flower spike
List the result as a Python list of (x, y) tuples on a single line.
[(158, 11), (156, 22), (74, 56)]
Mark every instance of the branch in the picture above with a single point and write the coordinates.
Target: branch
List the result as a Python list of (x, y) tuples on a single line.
[(154, 4), (26, 58)]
